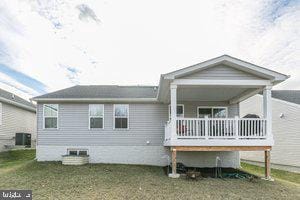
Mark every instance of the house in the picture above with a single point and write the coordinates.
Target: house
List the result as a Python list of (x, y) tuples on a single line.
[(17, 121), (286, 128), (191, 117)]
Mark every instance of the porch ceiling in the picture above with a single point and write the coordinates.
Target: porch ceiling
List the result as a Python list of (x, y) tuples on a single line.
[(209, 93)]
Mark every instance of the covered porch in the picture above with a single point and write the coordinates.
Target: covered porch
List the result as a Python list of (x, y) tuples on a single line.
[(216, 121), (215, 88), (213, 122)]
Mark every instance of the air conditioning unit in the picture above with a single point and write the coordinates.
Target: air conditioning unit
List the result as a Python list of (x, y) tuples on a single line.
[(23, 139)]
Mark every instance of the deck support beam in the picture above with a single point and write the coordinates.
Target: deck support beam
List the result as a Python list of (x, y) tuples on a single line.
[(267, 165), (174, 164), (222, 148)]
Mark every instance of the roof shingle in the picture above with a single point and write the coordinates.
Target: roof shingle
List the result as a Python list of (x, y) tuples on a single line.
[(14, 98), (104, 91), (292, 96)]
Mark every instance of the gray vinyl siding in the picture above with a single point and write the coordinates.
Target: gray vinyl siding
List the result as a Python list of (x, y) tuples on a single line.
[(14, 120), (286, 130), (233, 110), (221, 72), (146, 123)]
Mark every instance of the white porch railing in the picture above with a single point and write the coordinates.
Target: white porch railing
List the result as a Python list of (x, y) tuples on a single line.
[(218, 128)]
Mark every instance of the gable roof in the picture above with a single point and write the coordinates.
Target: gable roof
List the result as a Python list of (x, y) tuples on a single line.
[(110, 93), (292, 96), (103, 92), (274, 76), (270, 75), (15, 100)]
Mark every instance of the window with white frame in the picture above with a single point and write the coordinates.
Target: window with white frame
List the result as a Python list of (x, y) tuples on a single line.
[(121, 116), (180, 110), (212, 112), (96, 116), (50, 116), (77, 152)]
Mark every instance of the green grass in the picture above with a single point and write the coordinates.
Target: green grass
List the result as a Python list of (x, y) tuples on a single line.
[(51, 180), (275, 173), (16, 157)]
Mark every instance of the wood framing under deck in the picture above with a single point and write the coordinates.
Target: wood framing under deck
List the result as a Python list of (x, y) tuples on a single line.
[(221, 148), (266, 149)]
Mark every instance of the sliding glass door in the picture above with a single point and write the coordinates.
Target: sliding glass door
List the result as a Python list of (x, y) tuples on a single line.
[(212, 112)]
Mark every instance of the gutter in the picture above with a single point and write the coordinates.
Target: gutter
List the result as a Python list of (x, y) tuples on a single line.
[(152, 100), (17, 104)]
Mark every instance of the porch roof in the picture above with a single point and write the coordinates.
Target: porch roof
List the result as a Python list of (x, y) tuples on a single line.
[(232, 62), (220, 88)]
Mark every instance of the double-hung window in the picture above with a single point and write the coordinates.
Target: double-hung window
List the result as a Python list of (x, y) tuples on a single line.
[(50, 116), (121, 116), (96, 116)]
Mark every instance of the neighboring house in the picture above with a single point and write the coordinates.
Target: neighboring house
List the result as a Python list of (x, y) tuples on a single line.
[(194, 111), (17, 121), (286, 128)]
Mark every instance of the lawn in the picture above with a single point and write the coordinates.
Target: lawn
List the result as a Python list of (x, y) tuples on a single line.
[(276, 173), (102, 181)]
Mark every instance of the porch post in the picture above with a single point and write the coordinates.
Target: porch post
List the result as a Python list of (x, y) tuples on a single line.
[(174, 165), (267, 100), (267, 165), (267, 106), (236, 121), (173, 110), (206, 127)]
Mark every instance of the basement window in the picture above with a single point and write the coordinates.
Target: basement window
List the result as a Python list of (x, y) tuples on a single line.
[(77, 152)]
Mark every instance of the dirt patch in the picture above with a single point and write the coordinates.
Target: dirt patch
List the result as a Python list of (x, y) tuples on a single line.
[(211, 172)]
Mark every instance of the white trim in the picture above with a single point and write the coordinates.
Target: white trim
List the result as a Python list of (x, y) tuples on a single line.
[(57, 123), (187, 70), (173, 102), (96, 99), (238, 83), (212, 107), (114, 117), (96, 117), (176, 113), (231, 61), (220, 142), (267, 108)]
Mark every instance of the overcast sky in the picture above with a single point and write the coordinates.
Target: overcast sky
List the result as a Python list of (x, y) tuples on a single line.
[(48, 45)]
